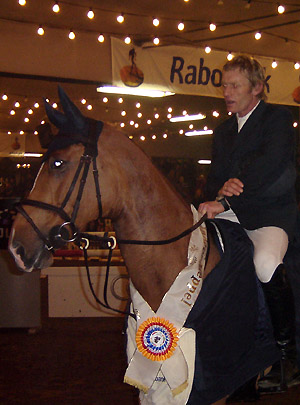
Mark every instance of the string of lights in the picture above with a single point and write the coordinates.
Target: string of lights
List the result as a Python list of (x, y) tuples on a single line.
[(166, 39)]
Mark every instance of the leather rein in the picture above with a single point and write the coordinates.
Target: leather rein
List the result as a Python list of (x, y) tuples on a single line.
[(68, 232)]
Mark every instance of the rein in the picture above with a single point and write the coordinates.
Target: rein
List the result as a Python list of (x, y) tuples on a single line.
[(67, 232)]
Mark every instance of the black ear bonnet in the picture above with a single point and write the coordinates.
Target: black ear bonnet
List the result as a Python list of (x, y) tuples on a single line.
[(72, 125)]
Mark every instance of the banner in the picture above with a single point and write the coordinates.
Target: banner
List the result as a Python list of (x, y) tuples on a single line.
[(12, 145), (187, 70)]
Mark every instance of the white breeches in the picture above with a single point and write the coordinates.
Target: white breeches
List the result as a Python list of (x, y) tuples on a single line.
[(270, 246)]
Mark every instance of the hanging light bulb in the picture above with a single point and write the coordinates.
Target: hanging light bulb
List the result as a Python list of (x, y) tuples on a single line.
[(120, 18), (40, 30), (280, 9), (207, 49), (101, 38), (297, 65), (127, 40), (229, 56), (156, 41), (155, 22), (4, 97), (12, 112), (17, 104), (212, 27), (180, 26), (71, 35), (257, 35), (56, 8), (22, 2), (90, 14), (274, 64), (36, 105)]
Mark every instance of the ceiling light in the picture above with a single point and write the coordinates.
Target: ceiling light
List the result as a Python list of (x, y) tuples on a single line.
[(204, 162), (41, 31), (105, 99), (131, 122), (17, 104), (201, 132), (212, 27), (156, 41), (280, 9), (153, 136), (127, 40), (149, 122), (90, 14), (71, 35), (188, 118), (138, 105), (136, 125), (31, 154), (56, 8), (180, 26), (101, 38), (215, 114), (123, 113), (257, 35), (139, 115), (36, 105), (89, 107), (22, 2), (134, 91), (83, 101), (207, 49), (274, 64), (120, 18), (120, 100), (155, 22), (4, 97), (142, 137), (295, 124), (156, 116), (297, 65), (170, 109), (12, 112), (122, 125), (229, 56)]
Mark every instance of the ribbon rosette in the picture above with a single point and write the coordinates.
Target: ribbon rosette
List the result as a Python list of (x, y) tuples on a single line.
[(157, 339)]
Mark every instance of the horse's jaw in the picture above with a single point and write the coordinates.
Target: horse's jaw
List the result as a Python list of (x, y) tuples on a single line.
[(37, 260)]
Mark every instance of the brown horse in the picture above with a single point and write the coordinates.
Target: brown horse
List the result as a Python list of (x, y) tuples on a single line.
[(138, 199)]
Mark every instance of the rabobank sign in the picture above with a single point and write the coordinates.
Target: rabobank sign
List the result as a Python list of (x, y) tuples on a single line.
[(192, 74)]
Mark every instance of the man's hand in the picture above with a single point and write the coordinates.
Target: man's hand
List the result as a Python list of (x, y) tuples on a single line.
[(231, 187), (211, 208)]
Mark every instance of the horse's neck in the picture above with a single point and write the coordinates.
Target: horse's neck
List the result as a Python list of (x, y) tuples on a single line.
[(151, 210)]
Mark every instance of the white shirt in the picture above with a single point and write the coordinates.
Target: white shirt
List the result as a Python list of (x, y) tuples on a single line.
[(242, 120)]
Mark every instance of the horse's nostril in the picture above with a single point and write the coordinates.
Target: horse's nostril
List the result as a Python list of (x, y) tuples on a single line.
[(21, 251)]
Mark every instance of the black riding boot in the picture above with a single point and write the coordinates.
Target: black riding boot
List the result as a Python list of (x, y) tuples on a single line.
[(280, 301)]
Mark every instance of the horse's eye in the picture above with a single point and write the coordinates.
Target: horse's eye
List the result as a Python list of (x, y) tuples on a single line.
[(57, 164)]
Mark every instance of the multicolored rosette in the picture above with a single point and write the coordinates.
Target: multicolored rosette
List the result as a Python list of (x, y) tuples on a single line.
[(157, 339)]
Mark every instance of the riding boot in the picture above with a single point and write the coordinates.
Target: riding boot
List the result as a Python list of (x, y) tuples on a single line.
[(280, 301)]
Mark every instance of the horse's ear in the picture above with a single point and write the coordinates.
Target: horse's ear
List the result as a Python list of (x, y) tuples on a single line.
[(73, 114), (56, 117)]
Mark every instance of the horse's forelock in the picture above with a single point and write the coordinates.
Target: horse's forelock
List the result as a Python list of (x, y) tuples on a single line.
[(62, 141)]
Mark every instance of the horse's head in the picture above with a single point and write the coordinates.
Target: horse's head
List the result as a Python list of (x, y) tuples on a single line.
[(48, 217)]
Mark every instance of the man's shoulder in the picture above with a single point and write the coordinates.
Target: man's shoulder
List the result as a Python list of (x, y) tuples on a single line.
[(228, 123), (276, 109)]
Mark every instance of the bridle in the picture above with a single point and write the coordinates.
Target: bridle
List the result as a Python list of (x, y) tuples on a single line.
[(59, 235)]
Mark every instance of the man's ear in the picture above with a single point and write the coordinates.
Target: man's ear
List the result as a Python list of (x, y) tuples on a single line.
[(258, 88)]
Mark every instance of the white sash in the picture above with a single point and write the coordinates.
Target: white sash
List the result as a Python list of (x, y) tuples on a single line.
[(157, 353)]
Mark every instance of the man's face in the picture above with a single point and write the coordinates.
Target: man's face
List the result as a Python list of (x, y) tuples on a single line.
[(240, 97)]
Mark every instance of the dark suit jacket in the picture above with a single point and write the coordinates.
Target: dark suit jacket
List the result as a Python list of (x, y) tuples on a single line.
[(262, 156)]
